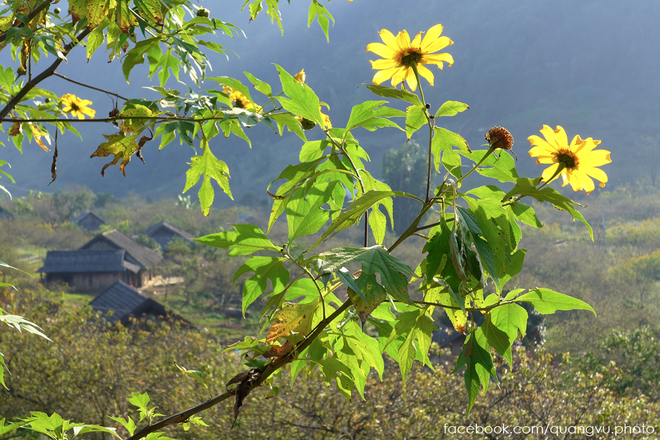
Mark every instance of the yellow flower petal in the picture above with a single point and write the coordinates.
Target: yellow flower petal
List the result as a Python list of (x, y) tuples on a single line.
[(400, 55), (579, 160)]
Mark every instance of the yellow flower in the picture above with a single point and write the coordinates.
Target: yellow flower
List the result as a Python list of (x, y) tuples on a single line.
[(577, 163), (77, 107), (241, 101), (400, 54), (300, 76)]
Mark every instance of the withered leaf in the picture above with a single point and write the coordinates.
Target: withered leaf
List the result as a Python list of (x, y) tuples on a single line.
[(292, 318), (121, 147), (16, 129), (246, 382), (53, 166), (277, 351)]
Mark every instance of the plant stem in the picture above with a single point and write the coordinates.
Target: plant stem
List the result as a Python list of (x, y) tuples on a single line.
[(88, 86), (431, 124)]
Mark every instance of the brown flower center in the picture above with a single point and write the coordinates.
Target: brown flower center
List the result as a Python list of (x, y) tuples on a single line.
[(566, 158), (74, 107), (410, 57), (499, 137)]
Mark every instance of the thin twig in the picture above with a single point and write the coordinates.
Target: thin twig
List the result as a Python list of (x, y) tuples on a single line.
[(89, 87)]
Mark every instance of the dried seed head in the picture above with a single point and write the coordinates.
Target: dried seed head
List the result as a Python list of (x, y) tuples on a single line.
[(499, 137)]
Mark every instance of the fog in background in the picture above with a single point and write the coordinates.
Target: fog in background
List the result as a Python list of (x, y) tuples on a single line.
[(589, 66)]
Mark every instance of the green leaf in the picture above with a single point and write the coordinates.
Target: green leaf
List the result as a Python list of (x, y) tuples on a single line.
[(372, 115), (370, 295), (318, 12), (289, 121), (451, 108), (478, 368), (356, 210), (264, 268), (245, 240), (393, 273), (415, 119), (527, 187), (304, 212), (390, 92), (547, 301), (302, 100), (502, 167), (483, 248), (511, 319), (421, 332), (260, 85), (496, 338), (443, 141), (526, 214), (212, 168)]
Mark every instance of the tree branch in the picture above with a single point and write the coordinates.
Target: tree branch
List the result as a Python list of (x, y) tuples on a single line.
[(270, 369), (42, 76)]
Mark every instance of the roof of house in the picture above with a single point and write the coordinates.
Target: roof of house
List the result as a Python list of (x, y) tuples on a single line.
[(166, 227), (143, 256), (120, 298), (86, 214), (87, 260)]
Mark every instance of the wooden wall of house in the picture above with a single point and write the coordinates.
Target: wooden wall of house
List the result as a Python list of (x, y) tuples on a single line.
[(97, 281)]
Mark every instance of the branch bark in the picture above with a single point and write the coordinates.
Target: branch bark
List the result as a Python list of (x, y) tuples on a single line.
[(42, 76)]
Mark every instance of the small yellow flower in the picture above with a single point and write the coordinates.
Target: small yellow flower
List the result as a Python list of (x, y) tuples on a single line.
[(400, 54), (77, 107), (577, 163), (241, 101), (300, 76)]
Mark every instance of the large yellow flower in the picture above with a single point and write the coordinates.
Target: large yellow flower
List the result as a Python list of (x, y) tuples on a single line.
[(577, 163), (77, 107), (241, 101), (400, 54)]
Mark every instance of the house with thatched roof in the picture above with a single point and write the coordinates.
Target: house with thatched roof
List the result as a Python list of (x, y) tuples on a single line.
[(89, 221), (120, 302), (88, 270), (164, 234)]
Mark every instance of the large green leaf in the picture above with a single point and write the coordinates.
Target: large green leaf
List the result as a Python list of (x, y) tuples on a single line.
[(547, 301), (443, 141), (478, 368), (301, 101), (390, 92), (244, 240), (264, 268), (415, 119), (211, 168), (304, 212), (393, 273), (451, 108), (372, 115)]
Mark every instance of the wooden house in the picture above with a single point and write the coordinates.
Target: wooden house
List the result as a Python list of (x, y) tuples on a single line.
[(135, 253), (164, 233), (89, 270), (120, 302), (88, 220)]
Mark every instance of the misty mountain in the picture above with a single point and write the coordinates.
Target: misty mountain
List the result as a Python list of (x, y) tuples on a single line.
[(589, 66)]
